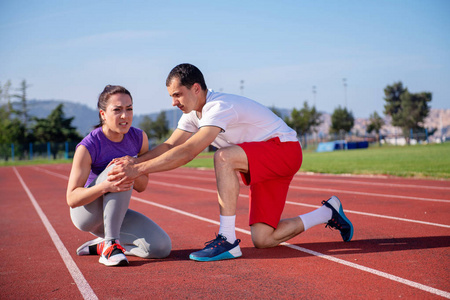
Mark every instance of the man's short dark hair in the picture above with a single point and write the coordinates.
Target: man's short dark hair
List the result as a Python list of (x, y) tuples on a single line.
[(188, 75)]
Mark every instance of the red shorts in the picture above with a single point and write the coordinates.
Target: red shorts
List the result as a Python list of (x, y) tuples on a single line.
[(271, 166)]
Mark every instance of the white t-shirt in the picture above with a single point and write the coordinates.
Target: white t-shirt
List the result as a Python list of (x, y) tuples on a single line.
[(241, 120)]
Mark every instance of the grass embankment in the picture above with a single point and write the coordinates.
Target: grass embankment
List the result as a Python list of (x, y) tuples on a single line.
[(431, 161), (41, 161)]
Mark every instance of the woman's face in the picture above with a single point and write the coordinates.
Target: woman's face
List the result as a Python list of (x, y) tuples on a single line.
[(118, 116)]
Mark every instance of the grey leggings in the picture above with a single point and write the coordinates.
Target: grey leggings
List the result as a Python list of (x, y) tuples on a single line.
[(108, 217)]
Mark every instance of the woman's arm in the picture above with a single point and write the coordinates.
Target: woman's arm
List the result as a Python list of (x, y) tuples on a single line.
[(77, 194), (140, 183)]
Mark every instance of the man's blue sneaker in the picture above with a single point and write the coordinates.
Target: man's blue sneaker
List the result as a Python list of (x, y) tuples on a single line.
[(218, 249), (338, 219)]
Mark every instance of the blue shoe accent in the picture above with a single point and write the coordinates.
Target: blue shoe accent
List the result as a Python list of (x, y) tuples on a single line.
[(218, 249), (338, 219)]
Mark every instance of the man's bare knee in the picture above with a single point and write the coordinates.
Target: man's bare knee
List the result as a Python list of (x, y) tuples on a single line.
[(260, 243), (262, 236), (233, 157)]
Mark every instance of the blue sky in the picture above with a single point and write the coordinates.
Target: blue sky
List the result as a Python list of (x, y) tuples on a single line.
[(69, 50)]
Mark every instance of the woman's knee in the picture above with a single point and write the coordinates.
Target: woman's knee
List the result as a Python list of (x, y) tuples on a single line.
[(156, 249), (163, 248), (85, 221)]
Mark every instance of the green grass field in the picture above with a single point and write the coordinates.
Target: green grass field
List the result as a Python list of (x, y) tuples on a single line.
[(424, 161)]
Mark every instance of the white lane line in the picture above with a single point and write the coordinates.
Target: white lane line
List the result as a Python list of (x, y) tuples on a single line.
[(418, 186), (369, 194), (287, 202), (324, 178), (375, 215), (83, 286), (329, 190), (300, 204), (311, 252), (318, 254), (300, 188)]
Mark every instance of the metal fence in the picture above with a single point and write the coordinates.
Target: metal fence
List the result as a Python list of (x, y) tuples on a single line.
[(66, 150), (32, 151)]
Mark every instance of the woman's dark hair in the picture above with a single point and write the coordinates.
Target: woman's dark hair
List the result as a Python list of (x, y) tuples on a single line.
[(188, 75), (103, 99)]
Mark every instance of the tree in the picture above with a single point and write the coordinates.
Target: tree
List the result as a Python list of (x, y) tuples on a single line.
[(375, 124), (6, 95), (342, 121), (157, 129), (304, 121), (408, 111), (393, 102), (22, 96), (12, 131), (55, 128)]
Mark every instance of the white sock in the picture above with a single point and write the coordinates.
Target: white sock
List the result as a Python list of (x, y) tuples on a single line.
[(227, 228), (319, 216)]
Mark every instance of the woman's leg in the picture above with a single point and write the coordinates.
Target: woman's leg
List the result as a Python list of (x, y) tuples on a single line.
[(89, 217), (142, 237), (109, 217), (104, 216)]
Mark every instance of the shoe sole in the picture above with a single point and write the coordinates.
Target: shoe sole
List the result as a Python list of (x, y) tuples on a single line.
[(341, 213), (223, 256), (123, 262)]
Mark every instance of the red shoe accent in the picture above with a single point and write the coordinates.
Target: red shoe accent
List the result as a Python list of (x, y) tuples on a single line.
[(100, 248), (111, 248)]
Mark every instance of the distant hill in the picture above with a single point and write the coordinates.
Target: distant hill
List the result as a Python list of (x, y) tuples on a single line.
[(85, 118)]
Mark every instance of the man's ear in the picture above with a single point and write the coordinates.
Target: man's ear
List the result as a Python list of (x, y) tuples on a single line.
[(197, 88)]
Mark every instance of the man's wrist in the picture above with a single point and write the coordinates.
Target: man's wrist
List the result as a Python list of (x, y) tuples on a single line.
[(140, 169)]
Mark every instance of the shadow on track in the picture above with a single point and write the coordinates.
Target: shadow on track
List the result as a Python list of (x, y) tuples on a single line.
[(328, 248)]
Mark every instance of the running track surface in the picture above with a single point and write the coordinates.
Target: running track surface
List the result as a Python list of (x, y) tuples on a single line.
[(400, 248)]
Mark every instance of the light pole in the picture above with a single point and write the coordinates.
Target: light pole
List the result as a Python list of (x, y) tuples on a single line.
[(344, 80), (314, 94)]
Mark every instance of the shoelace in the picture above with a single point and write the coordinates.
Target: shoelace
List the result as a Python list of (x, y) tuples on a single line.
[(111, 248), (333, 224), (212, 243)]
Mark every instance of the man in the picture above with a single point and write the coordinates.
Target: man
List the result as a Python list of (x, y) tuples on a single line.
[(251, 140)]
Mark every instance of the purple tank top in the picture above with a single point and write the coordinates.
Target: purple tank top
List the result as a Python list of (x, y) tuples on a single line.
[(103, 150)]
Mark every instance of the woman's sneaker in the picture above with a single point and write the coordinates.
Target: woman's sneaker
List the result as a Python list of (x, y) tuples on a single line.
[(92, 247), (338, 219), (218, 249), (112, 254)]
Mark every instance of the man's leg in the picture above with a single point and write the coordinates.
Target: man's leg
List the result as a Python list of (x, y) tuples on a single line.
[(227, 162), (265, 236), (330, 213)]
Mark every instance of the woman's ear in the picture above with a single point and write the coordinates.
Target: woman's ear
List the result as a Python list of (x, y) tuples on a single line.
[(102, 114)]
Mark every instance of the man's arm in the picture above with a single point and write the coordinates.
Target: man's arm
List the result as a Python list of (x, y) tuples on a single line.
[(178, 137), (178, 150)]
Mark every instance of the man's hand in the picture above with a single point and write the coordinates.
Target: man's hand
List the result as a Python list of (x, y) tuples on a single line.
[(123, 171)]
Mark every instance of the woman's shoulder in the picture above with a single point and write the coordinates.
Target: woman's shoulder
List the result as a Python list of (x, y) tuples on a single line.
[(92, 136), (135, 130), (134, 135)]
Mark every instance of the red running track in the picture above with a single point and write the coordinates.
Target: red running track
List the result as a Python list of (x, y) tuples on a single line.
[(400, 247)]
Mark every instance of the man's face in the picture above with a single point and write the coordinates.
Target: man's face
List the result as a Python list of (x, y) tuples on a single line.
[(182, 97)]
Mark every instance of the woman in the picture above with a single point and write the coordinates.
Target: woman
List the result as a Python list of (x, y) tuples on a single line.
[(100, 207)]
